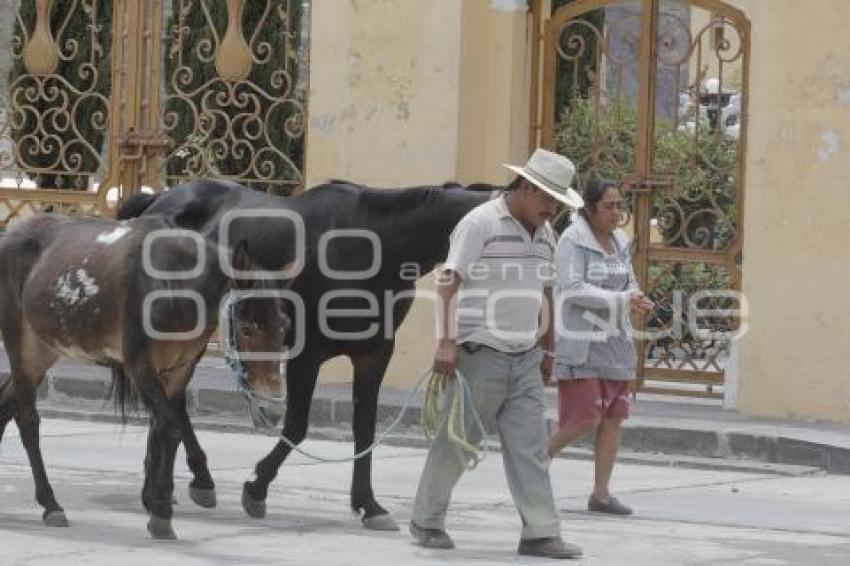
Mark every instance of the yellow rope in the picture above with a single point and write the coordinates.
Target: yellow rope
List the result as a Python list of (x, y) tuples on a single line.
[(460, 402)]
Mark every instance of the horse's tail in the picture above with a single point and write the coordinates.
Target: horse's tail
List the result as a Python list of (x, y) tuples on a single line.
[(124, 393), (136, 205)]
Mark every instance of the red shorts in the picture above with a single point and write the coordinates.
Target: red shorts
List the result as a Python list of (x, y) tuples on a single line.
[(590, 401)]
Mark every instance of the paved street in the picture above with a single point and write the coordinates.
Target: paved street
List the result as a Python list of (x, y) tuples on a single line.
[(683, 516)]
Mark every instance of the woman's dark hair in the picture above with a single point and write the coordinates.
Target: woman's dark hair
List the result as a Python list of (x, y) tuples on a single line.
[(594, 189)]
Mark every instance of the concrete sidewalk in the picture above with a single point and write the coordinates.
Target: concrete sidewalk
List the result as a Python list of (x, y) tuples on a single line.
[(662, 430), (682, 517)]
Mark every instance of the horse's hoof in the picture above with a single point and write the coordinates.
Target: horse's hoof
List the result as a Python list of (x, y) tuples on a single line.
[(160, 528), (253, 507), (55, 518), (146, 501), (383, 522), (203, 497)]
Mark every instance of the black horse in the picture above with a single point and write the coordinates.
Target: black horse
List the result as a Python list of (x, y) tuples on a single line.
[(343, 269), (137, 297)]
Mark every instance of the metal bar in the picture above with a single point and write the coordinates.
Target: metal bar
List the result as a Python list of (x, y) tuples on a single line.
[(111, 179), (152, 176), (574, 9), (681, 392), (536, 74), (720, 8), (306, 144), (49, 195), (743, 27), (641, 201), (547, 137), (691, 255), (684, 376)]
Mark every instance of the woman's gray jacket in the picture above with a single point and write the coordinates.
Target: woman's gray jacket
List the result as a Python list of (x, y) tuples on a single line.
[(585, 312)]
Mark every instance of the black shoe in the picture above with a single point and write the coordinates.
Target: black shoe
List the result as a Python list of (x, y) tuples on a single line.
[(612, 506), (552, 547), (431, 538)]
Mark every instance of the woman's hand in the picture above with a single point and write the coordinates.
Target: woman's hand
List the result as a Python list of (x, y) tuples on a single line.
[(638, 302)]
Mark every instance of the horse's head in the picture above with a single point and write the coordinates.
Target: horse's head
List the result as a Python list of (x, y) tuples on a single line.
[(257, 323)]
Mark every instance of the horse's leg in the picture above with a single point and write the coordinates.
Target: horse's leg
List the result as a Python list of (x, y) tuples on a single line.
[(202, 487), (29, 362), (5, 405), (6, 413), (151, 462), (151, 455), (301, 374), (163, 440), (369, 372), (167, 434), (28, 421)]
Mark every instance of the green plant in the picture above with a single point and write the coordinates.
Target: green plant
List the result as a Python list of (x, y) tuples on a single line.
[(58, 121), (700, 207)]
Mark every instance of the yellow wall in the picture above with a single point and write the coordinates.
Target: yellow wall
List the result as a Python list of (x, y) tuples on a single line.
[(416, 92), (419, 91), (424, 91), (494, 95), (384, 91), (794, 360)]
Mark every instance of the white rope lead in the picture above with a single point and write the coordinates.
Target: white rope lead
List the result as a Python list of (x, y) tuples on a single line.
[(462, 401), (437, 384)]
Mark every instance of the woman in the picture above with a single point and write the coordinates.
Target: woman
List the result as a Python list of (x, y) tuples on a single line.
[(594, 355)]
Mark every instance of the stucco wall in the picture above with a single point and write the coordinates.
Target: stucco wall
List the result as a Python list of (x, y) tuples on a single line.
[(494, 89), (384, 79), (423, 91), (416, 92), (796, 256)]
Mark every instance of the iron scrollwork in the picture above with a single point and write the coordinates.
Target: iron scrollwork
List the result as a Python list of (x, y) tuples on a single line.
[(234, 107)]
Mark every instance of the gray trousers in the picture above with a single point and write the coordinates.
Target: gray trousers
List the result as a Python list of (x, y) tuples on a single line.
[(508, 394)]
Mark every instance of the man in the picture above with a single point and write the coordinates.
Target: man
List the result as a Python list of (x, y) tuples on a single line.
[(500, 266)]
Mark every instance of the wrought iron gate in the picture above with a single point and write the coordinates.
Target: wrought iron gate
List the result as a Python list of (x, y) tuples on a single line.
[(103, 97), (653, 93)]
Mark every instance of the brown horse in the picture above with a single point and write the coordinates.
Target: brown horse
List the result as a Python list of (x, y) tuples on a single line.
[(142, 298), (413, 227)]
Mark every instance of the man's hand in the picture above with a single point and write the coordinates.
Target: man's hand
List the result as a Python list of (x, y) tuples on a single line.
[(445, 358), (546, 369)]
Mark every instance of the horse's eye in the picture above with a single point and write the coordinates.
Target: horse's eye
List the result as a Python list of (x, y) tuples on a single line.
[(249, 328)]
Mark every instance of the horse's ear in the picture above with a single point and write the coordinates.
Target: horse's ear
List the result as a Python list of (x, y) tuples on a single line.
[(242, 262)]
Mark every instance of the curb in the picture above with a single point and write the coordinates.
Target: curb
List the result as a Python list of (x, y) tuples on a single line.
[(414, 438), (222, 409)]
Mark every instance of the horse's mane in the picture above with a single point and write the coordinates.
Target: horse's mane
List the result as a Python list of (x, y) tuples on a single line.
[(391, 201)]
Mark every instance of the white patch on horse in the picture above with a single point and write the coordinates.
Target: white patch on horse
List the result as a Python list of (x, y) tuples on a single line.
[(109, 238), (89, 284), (65, 292), (75, 287)]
